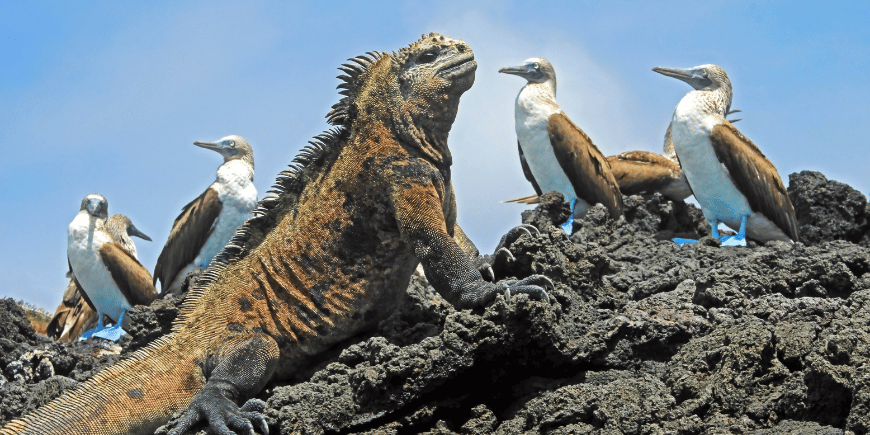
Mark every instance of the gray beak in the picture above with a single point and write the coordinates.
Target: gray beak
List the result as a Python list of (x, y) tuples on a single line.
[(522, 70), (133, 231), (93, 206), (682, 74), (210, 145)]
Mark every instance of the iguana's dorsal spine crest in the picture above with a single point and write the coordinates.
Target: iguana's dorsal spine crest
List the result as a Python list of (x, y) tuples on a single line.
[(290, 182), (342, 113)]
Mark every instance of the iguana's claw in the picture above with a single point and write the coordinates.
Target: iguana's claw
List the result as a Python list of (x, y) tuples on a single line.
[(503, 255), (222, 415), (535, 286), (486, 272), (514, 234)]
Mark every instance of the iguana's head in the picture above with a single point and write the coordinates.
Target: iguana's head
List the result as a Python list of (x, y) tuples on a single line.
[(415, 92)]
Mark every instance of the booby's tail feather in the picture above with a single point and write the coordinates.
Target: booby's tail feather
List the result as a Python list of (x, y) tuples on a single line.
[(531, 199)]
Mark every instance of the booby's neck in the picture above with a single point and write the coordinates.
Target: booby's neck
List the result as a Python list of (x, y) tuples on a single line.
[(536, 101), (235, 171), (704, 102)]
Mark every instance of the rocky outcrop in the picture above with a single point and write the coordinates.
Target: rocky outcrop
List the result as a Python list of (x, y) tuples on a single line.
[(645, 337)]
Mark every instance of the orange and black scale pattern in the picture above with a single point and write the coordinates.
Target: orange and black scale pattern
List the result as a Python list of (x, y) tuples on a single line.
[(323, 258)]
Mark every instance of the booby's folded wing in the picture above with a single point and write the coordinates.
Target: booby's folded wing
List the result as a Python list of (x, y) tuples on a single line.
[(73, 315), (584, 164), (189, 233), (132, 279), (527, 171), (755, 177), (642, 171)]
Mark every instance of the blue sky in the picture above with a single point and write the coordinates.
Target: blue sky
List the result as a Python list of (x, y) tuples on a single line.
[(108, 97)]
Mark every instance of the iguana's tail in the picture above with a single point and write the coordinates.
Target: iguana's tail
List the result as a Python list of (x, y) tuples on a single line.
[(135, 396)]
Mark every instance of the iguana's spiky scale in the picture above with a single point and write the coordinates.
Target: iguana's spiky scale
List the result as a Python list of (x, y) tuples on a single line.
[(325, 257)]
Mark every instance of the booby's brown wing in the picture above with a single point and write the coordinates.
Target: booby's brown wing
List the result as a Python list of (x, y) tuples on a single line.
[(584, 164), (189, 233), (527, 172), (642, 171), (132, 279), (73, 316), (755, 177)]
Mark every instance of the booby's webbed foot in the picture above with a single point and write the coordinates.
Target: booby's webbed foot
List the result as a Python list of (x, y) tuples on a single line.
[(223, 416), (568, 227), (681, 242), (740, 238), (111, 333), (87, 334)]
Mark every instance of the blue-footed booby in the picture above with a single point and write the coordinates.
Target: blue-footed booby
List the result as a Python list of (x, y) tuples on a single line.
[(75, 315), (207, 223), (732, 180), (554, 152), (109, 275)]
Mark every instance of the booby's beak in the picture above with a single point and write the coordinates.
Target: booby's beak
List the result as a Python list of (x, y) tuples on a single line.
[(522, 70), (690, 76), (133, 231), (96, 207), (223, 147), (685, 75)]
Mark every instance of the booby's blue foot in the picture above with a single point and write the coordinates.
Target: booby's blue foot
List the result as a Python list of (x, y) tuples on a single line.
[(740, 238), (568, 227), (87, 334), (681, 242), (714, 229), (112, 333)]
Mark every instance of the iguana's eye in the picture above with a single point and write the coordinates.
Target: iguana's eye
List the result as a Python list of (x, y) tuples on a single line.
[(427, 57)]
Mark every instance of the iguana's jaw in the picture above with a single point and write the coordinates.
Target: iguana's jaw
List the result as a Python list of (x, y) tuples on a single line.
[(458, 67)]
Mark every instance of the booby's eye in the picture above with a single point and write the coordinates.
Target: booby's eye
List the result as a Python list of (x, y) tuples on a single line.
[(536, 65), (233, 144), (427, 57), (704, 73)]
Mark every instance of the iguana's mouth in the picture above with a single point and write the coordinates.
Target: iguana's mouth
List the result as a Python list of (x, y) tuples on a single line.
[(458, 67)]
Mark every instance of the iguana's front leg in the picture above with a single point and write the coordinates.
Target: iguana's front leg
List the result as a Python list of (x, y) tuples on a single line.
[(241, 367), (420, 215)]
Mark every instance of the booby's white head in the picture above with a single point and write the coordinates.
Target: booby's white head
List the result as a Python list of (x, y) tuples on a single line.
[(95, 205), (231, 148), (709, 79), (534, 70)]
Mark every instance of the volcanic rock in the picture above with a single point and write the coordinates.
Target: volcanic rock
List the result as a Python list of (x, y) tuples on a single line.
[(642, 337)]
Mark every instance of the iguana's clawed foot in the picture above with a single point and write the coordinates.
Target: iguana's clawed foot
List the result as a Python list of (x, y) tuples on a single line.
[(514, 234), (224, 416), (503, 256), (536, 286)]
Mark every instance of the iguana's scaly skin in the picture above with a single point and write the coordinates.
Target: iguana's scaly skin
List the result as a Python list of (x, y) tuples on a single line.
[(325, 258)]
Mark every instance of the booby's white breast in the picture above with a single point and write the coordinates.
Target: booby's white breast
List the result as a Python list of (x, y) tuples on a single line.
[(238, 197), (85, 236), (532, 113)]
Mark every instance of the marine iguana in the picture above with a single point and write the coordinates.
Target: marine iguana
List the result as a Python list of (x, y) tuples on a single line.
[(325, 257)]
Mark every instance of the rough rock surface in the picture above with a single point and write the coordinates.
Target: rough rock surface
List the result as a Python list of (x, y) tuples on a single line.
[(649, 338), (829, 210)]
